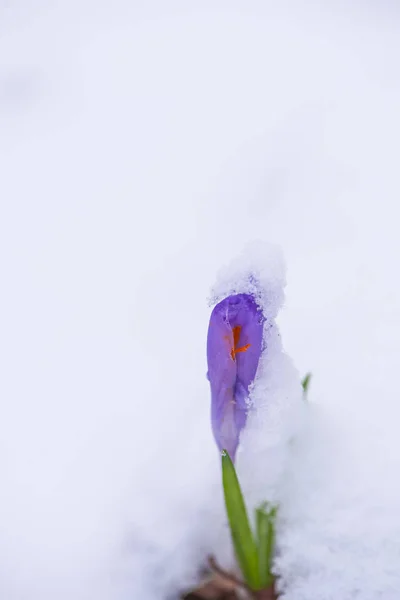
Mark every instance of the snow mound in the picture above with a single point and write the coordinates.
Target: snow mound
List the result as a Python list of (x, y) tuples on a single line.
[(338, 537)]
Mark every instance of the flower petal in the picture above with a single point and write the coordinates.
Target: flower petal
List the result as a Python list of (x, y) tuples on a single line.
[(233, 352)]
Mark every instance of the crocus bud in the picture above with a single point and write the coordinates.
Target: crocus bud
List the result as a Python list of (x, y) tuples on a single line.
[(233, 351)]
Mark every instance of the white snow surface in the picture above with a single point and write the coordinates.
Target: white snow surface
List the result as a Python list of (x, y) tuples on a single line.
[(143, 145)]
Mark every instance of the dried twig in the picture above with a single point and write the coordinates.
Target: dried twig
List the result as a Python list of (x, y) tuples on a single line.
[(267, 594), (224, 584), (227, 576)]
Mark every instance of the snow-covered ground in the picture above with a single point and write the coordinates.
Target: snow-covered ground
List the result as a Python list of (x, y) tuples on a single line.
[(142, 145)]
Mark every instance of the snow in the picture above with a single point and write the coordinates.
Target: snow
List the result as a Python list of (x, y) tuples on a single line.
[(339, 530), (142, 146)]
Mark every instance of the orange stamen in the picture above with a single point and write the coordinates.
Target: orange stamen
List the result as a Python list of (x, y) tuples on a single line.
[(236, 336)]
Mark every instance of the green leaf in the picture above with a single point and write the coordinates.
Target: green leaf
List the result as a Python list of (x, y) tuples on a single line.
[(306, 383), (265, 524), (242, 535)]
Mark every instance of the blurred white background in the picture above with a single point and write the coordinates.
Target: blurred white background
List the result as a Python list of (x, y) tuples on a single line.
[(142, 145)]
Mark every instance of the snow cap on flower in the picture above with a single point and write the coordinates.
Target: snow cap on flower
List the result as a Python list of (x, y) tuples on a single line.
[(233, 351)]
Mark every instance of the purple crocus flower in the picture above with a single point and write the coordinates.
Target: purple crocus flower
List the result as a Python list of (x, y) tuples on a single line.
[(233, 351)]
